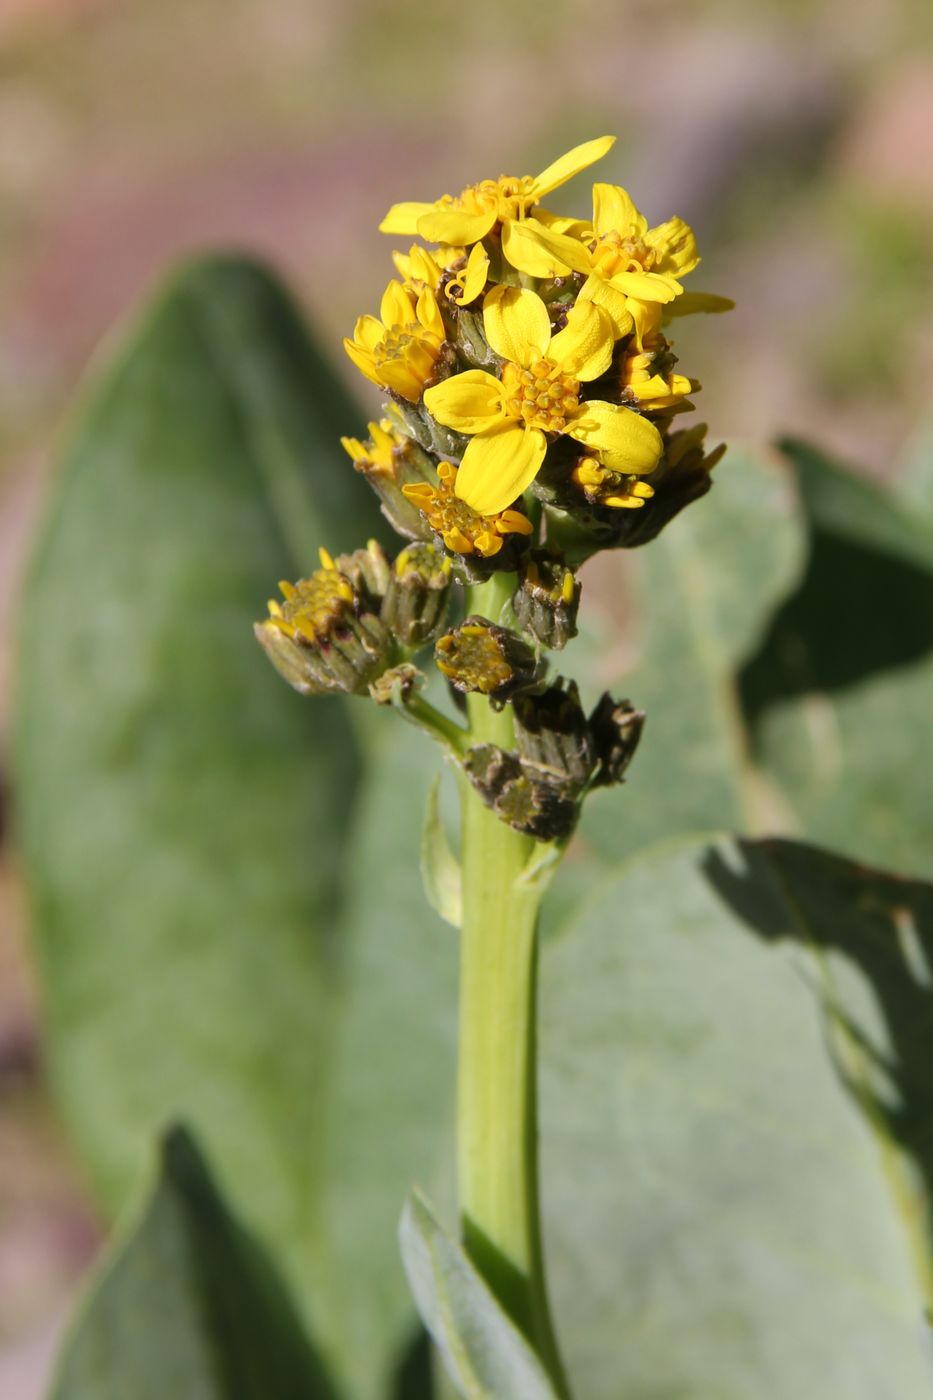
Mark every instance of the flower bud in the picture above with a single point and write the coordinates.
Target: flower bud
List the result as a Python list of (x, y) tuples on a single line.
[(397, 684), (616, 729), (518, 795), (553, 736), (368, 571), (416, 595), (322, 640), (482, 657), (390, 460), (546, 600)]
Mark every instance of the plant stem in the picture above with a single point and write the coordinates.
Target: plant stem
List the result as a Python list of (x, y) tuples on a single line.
[(497, 1131)]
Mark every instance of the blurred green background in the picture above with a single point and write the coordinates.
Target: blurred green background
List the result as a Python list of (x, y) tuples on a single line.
[(797, 138)]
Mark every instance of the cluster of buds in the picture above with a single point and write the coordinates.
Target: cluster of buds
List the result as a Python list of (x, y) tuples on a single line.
[(560, 754), (532, 395)]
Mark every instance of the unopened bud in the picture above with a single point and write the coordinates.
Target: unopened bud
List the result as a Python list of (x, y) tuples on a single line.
[(552, 734), (518, 795), (389, 460), (368, 571), (546, 600), (321, 639), (616, 728), (483, 657), (416, 596), (397, 684)]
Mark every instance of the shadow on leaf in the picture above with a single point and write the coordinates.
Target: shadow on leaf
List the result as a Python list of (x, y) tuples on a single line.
[(878, 927)]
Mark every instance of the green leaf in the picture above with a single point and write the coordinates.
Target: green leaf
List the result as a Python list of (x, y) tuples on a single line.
[(914, 480), (182, 813), (394, 1071), (485, 1354), (188, 1306), (736, 1127), (842, 687), (440, 868), (704, 592)]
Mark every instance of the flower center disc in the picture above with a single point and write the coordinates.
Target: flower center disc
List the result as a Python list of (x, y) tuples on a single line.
[(542, 396)]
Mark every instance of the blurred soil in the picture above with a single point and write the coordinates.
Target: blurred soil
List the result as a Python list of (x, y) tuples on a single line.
[(798, 142)]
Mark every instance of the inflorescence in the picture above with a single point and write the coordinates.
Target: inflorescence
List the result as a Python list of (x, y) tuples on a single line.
[(532, 400)]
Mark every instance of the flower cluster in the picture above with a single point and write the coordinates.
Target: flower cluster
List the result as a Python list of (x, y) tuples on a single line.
[(532, 418)]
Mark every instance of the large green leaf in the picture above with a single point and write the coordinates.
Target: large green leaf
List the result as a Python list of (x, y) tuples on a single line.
[(189, 1307), (182, 813), (841, 690), (394, 1068), (703, 594), (736, 1042)]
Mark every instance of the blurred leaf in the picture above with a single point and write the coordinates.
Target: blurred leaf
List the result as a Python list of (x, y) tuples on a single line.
[(440, 868), (718, 1141), (703, 592), (183, 813), (394, 1071), (484, 1352), (188, 1307), (841, 690), (914, 480)]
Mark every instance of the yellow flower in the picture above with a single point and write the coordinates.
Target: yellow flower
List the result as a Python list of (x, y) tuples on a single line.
[(400, 351), (420, 267), (648, 374), (603, 487), (375, 457), (538, 396), (463, 529), (622, 255), (527, 243), (313, 607)]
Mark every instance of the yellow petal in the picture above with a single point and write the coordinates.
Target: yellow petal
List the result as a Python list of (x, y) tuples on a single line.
[(580, 229), (566, 166), (676, 243), (647, 286), (397, 307), (471, 402), (540, 251), (646, 317), (614, 211), (455, 226), (624, 441), (474, 275), (614, 303), (497, 467), (369, 332), (699, 301), (429, 314), (584, 347), (362, 360), (517, 324), (403, 218)]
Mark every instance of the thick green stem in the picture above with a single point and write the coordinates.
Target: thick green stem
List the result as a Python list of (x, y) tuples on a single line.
[(497, 1132)]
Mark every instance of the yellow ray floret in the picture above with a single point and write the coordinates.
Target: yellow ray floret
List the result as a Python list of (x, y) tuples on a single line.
[(399, 351), (463, 529), (623, 257), (511, 419), (603, 487), (377, 455), (315, 606), (468, 217)]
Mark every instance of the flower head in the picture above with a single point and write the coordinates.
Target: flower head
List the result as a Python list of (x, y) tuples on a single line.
[(463, 530), (324, 638), (536, 398), (501, 205), (400, 350)]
